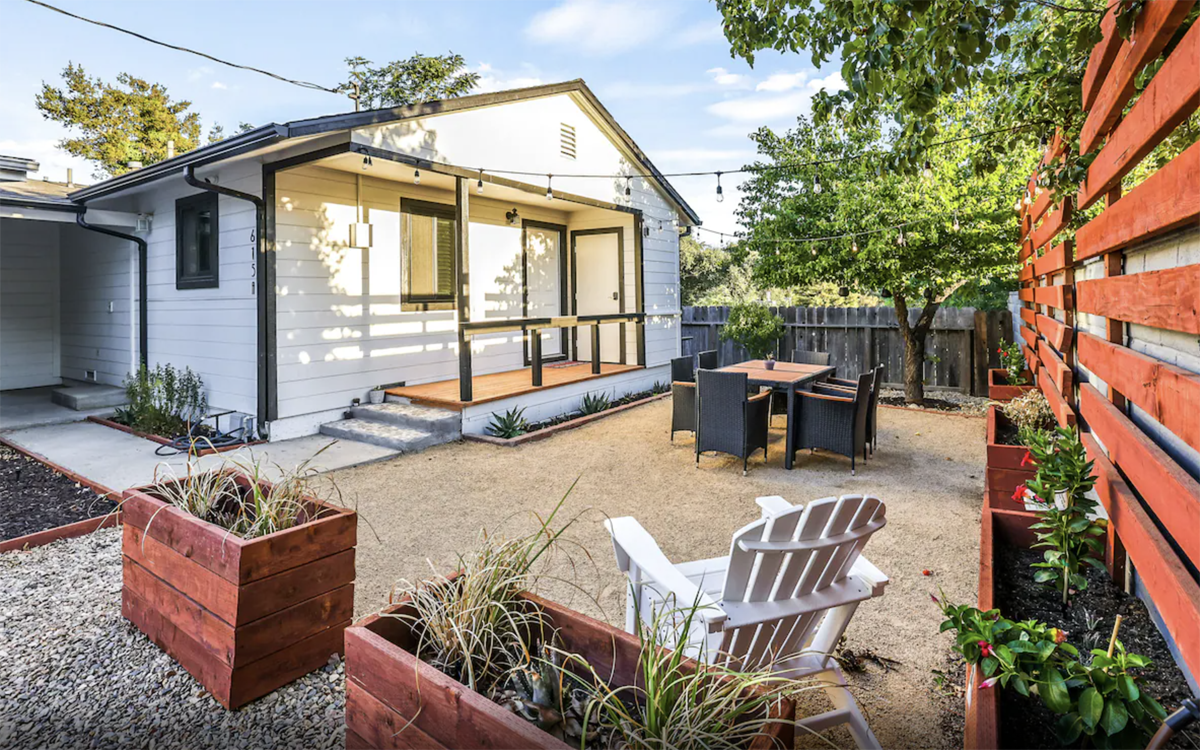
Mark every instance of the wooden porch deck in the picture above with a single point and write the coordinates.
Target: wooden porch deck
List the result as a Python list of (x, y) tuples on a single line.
[(495, 386)]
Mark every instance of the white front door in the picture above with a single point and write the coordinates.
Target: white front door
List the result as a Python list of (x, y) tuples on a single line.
[(543, 283), (598, 288)]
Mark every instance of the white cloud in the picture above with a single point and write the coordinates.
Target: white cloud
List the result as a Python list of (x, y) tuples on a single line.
[(219, 85), (831, 83), (599, 28), (53, 162), (723, 77), (682, 159), (491, 79), (771, 107), (782, 82), (195, 74), (644, 90)]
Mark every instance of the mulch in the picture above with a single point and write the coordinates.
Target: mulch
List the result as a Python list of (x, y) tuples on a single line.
[(936, 404), (1088, 622), (34, 497)]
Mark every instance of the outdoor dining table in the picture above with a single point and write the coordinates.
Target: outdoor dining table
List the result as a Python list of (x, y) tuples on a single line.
[(785, 377)]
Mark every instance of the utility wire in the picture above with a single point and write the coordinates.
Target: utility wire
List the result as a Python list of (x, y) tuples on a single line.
[(302, 84)]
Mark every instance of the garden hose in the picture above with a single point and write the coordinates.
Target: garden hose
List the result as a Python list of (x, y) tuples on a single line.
[(193, 442), (1174, 724)]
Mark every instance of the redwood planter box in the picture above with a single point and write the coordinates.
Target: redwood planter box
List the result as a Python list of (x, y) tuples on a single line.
[(997, 528), (394, 700), (1000, 390), (244, 617), (1004, 470)]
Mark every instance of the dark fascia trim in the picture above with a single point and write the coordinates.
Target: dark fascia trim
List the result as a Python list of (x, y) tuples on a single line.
[(230, 147), (47, 205), (143, 297)]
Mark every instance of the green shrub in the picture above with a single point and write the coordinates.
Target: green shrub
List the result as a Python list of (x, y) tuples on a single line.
[(1013, 361), (163, 401), (1030, 411), (594, 403), (510, 424), (755, 327)]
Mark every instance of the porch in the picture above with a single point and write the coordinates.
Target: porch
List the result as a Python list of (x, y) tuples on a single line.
[(446, 394)]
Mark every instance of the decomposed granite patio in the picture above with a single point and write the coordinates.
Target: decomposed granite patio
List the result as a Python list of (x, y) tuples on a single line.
[(64, 641)]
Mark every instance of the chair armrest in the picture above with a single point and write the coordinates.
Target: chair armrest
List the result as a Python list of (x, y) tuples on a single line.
[(683, 384), (842, 382), (834, 390), (759, 396), (772, 505), (863, 568), (824, 397), (635, 548)]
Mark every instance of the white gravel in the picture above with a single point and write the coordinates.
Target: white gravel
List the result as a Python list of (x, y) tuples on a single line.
[(74, 673)]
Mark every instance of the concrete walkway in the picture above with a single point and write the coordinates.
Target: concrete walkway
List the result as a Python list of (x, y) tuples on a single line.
[(118, 460)]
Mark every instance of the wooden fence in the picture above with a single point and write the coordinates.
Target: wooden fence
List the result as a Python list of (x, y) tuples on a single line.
[(1084, 302), (960, 347)]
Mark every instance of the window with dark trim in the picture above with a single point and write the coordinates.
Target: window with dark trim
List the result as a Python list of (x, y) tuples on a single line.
[(197, 262), (427, 232)]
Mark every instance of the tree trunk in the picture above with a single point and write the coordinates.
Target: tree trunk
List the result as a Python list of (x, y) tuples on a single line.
[(914, 346)]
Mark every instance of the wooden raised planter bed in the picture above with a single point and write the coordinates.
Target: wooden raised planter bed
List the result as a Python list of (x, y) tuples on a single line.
[(394, 700), (996, 528), (200, 451), (244, 617), (1000, 390), (1004, 470)]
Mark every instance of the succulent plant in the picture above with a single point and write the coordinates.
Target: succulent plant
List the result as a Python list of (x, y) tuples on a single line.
[(541, 692)]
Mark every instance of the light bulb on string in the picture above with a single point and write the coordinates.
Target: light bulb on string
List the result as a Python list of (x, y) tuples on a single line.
[(720, 192), (549, 188), (816, 184), (627, 191), (900, 238), (814, 252), (1043, 142), (928, 171), (416, 177), (1027, 199), (479, 185), (956, 227), (366, 162), (854, 247), (722, 239)]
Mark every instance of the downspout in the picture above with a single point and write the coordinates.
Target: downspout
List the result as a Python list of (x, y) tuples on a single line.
[(143, 302), (266, 387)]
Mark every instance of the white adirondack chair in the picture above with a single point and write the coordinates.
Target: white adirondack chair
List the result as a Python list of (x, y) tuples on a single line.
[(781, 599)]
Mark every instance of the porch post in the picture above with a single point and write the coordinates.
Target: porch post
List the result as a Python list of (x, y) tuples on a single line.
[(535, 355), (595, 348), (639, 293), (462, 222)]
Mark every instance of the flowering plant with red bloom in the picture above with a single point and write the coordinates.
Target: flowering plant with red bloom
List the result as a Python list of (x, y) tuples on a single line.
[(1013, 362)]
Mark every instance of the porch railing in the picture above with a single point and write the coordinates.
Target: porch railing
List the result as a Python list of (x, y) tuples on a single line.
[(534, 326)]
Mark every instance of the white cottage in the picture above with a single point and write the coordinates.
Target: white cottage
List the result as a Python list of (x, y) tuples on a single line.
[(298, 267)]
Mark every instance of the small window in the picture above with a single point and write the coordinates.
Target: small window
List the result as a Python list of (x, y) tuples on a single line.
[(197, 262), (566, 141), (427, 239)]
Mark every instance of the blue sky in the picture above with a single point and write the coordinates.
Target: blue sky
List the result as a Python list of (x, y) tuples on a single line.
[(662, 67)]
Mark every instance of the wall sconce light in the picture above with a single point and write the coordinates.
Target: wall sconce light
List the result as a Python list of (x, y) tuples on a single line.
[(513, 217)]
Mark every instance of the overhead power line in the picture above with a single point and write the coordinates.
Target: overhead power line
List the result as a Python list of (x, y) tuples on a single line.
[(143, 37)]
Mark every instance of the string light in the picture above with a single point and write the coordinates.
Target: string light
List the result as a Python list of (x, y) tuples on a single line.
[(722, 239), (928, 171), (814, 252), (1028, 199), (416, 177), (900, 239), (854, 247), (956, 221), (366, 162), (1043, 142), (627, 192), (479, 185), (549, 189), (720, 192), (816, 184)]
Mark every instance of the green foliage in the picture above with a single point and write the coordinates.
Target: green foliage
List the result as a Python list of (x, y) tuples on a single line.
[(420, 78), (1012, 360), (1064, 529), (660, 386), (129, 121), (594, 403), (1100, 699), (510, 424), (755, 327), (217, 132), (163, 401), (985, 293)]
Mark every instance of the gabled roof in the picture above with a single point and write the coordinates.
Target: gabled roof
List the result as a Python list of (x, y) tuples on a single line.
[(272, 133)]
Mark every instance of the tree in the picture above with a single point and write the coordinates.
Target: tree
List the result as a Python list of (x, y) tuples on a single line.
[(1024, 58), (420, 78), (959, 225), (130, 121), (217, 132)]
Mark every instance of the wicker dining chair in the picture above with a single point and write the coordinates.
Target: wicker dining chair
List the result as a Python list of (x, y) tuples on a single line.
[(802, 357), (728, 419), (872, 406), (683, 396), (709, 360), (831, 418)]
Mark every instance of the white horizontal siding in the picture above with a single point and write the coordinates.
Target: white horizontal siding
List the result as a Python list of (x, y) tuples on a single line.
[(29, 299), (98, 271)]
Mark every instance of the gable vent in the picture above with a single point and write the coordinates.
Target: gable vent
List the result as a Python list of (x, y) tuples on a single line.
[(566, 141)]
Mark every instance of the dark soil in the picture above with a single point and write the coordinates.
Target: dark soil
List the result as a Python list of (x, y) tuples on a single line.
[(1006, 433), (1026, 722), (937, 404), (34, 497)]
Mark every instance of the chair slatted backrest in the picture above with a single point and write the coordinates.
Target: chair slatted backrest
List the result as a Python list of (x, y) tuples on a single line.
[(683, 370), (709, 360), (721, 408), (797, 559), (802, 357), (862, 398)]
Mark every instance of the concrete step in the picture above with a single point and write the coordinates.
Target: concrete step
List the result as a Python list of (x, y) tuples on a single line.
[(439, 422), (88, 396), (403, 439)]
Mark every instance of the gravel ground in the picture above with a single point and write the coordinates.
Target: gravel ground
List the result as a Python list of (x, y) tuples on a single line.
[(82, 677), (929, 470), (966, 404), (75, 674)]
